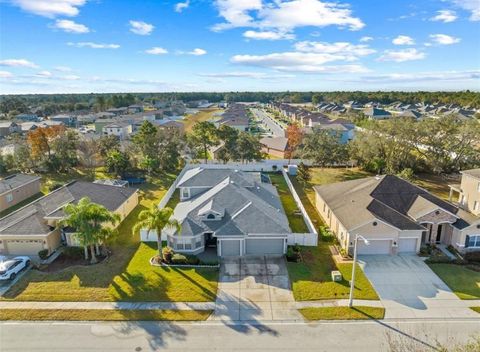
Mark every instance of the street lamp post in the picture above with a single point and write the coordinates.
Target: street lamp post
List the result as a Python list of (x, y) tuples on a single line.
[(352, 281)]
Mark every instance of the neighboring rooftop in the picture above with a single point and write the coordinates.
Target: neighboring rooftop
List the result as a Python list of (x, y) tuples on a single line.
[(388, 198), (472, 172), (30, 219), (14, 181)]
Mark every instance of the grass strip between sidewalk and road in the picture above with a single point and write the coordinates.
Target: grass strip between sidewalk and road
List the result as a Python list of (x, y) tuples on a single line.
[(342, 313), (475, 309), (103, 314)]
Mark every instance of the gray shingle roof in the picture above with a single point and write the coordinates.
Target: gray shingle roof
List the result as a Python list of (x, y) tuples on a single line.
[(248, 206), (14, 181), (30, 220), (473, 172), (388, 198)]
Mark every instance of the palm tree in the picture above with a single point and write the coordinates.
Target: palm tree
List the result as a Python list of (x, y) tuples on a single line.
[(90, 223), (156, 219)]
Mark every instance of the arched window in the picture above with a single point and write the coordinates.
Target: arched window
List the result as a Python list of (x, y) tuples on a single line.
[(211, 217)]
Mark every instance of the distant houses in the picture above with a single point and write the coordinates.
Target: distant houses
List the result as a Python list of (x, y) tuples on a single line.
[(16, 188), (236, 117)]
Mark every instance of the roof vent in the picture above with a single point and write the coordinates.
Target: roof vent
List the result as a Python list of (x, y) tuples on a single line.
[(236, 170)]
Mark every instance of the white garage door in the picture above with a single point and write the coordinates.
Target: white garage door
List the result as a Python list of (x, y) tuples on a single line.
[(264, 246), (407, 245), (374, 247), (230, 248), (24, 247)]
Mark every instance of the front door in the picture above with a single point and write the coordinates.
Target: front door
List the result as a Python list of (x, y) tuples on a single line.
[(439, 233), (210, 241)]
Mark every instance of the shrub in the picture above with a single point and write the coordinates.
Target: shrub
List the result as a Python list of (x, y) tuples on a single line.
[(179, 259), (192, 260), (472, 257), (292, 256), (438, 260), (74, 252), (167, 253), (54, 186), (43, 254)]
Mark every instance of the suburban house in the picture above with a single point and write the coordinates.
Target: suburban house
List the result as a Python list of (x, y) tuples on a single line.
[(377, 114), (237, 212), (16, 188), (469, 201), (8, 127), (67, 120), (120, 129), (34, 227), (394, 215), (276, 146)]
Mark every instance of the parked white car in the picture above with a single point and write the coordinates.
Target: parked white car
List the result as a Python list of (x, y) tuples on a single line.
[(11, 267)]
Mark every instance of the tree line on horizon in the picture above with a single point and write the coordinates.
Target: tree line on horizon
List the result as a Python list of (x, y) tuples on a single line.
[(47, 104)]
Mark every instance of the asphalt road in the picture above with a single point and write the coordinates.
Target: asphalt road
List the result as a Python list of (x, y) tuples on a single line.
[(274, 127), (217, 336)]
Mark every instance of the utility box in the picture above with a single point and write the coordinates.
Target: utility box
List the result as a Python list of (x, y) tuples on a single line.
[(336, 276), (292, 170)]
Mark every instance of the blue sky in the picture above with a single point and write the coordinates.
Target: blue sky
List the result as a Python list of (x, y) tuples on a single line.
[(83, 46)]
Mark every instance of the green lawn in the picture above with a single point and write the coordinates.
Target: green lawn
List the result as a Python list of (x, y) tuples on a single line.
[(21, 204), (343, 313), (103, 314), (476, 309), (465, 283), (295, 219), (311, 279), (202, 115), (435, 184), (126, 275)]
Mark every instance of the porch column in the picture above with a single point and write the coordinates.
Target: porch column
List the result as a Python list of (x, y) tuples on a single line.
[(433, 236)]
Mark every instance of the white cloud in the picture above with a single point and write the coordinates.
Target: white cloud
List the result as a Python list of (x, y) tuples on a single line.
[(349, 51), (18, 63), (156, 51), (245, 74), (5, 74), (141, 28), (473, 6), (197, 52), (50, 8), (94, 45), (44, 74), (443, 39), (365, 39), (445, 16), (402, 55), (285, 15), (180, 6), (298, 62), (71, 26), (403, 40), (70, 78), (63, 69), (268, 35)]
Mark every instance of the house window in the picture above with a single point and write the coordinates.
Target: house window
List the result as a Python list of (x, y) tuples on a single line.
[(185, 193), (478, 187), (324, 207), (474, 241), (211, 216), (9, 197), (476, 205)]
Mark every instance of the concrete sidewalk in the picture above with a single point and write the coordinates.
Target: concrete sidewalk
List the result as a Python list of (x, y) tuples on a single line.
[(110, 305)]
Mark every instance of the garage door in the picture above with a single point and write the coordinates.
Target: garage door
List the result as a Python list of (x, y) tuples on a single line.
[(24, 247), (230, 248), (374, 247), (264, 246), (407, 245)]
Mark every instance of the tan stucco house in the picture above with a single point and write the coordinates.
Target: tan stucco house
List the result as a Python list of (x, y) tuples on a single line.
[(394, 215), (16, 188), (33, 227)]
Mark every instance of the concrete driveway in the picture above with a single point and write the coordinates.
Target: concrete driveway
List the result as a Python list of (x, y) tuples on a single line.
[(254, 289), (408, 288)]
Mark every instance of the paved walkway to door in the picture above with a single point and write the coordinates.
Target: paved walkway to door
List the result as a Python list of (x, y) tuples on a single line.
[(254, 289), (408, 288)]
